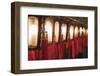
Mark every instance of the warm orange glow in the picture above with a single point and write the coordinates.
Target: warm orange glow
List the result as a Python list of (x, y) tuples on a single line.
[(49, 29), (56, 31), (71, 31), (63, 31), (76, 31), (80, 31), (33, 31)]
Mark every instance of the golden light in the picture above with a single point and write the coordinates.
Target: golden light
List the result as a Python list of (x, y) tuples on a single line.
[(56, 31), (81, 31), (71, 31), (76, 31), (49, 29), (33, 31), (63, 31)]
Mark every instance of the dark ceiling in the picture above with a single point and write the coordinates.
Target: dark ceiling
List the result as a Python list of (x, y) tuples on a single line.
[(83, 20)]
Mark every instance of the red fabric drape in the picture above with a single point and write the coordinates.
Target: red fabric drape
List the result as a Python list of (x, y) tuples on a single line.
[(51, 51), (80, 45), (77, 46), (71, 49), (86, 41), (57, 50), (61, 50), (40, 55), (83, 41), (44, 48), (32, 55)]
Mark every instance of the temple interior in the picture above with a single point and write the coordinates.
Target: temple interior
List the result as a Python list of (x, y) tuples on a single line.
[(57, 37)]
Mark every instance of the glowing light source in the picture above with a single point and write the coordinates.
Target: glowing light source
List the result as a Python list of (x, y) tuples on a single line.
[(71, 31), (76, 31), (80, 31), (49, 29), (56, 31), (33, 31), (63, 31)]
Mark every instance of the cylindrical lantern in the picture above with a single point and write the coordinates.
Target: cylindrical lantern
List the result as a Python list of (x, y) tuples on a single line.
[(56, 31), (49, 29), (76, 32), (80, 31), (71, 31), (64, 31)]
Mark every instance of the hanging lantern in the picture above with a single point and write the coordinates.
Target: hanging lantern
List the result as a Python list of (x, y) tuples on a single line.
[(64, 30), (49, 29), (76, 31), (71, 31), (56, 31), (80, 31)]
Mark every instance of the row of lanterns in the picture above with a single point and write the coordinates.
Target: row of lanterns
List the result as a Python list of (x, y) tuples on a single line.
[(73, 31)]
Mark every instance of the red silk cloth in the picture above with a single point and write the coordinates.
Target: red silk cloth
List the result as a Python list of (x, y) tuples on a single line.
[(57, 50), (32, 55)]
